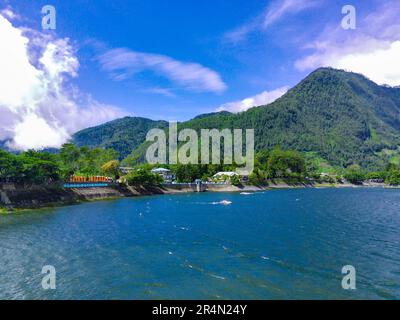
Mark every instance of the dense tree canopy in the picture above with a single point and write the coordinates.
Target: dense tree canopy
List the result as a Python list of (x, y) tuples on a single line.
[(31, 167), (84, 161), (39, 167), (123, 135), (143, 177), (285, 164), (111, 168)]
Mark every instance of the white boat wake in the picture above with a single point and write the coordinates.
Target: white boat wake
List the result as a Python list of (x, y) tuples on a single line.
[(223, 202)]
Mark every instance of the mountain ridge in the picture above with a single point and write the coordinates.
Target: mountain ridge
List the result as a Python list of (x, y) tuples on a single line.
[(123, 135), (342, 116)]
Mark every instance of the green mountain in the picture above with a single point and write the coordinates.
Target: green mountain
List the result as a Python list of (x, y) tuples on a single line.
[(342, 117), (122, 135)]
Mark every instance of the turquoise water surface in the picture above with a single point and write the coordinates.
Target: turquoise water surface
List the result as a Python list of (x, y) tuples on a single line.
[(281, 244)]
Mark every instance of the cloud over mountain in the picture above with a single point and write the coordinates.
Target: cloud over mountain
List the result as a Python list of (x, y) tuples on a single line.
[(260, 99), (372, 49)]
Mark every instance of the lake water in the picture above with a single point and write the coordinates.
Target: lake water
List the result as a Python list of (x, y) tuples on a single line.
[(281, 244)]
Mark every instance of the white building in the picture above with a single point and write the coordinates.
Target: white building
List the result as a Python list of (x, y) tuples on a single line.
[(164, 173), (224, 175)]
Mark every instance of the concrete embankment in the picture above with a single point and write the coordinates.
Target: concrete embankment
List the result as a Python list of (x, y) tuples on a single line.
[(15, 196), (19, 196), (23, 196)]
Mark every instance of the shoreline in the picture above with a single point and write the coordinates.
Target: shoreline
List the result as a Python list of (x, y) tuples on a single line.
[(78, 196)]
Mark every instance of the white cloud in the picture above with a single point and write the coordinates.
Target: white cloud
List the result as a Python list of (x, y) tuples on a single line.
[(260, 99), (38, 108), (380, 65), (35, 132), (373, 49), (166, 92), (9, 13), (277, 10), (274, 12), (18, 78), (123, 63)]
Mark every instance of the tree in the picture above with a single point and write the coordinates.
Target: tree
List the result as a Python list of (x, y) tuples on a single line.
[(354, 174), (84, 161), (354, 167), (69, 156), (355, 177), (141, 177), (235, 180), (376, 175), (393, 178), (39, 167), (111, 168), (10, 167), (187, 172), (286, 164), (261, 159), (257, 177), (393, 174)]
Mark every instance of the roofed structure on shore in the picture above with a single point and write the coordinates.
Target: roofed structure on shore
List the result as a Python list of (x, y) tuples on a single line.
[(225, 173), (160, 170), (164, 173)]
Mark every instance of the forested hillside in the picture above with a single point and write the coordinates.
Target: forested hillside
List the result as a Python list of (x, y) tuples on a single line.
[(341, 117), (122, 135)]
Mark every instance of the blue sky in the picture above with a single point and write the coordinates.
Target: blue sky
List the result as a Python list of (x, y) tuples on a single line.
[(176, 59)]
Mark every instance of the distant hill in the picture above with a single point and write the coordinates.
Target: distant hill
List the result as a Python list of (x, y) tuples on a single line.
[(207, 115), (123, 135), (341, 116), (3, 145)]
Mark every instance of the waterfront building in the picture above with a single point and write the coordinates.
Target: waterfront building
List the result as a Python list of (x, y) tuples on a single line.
[(164, 173)]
